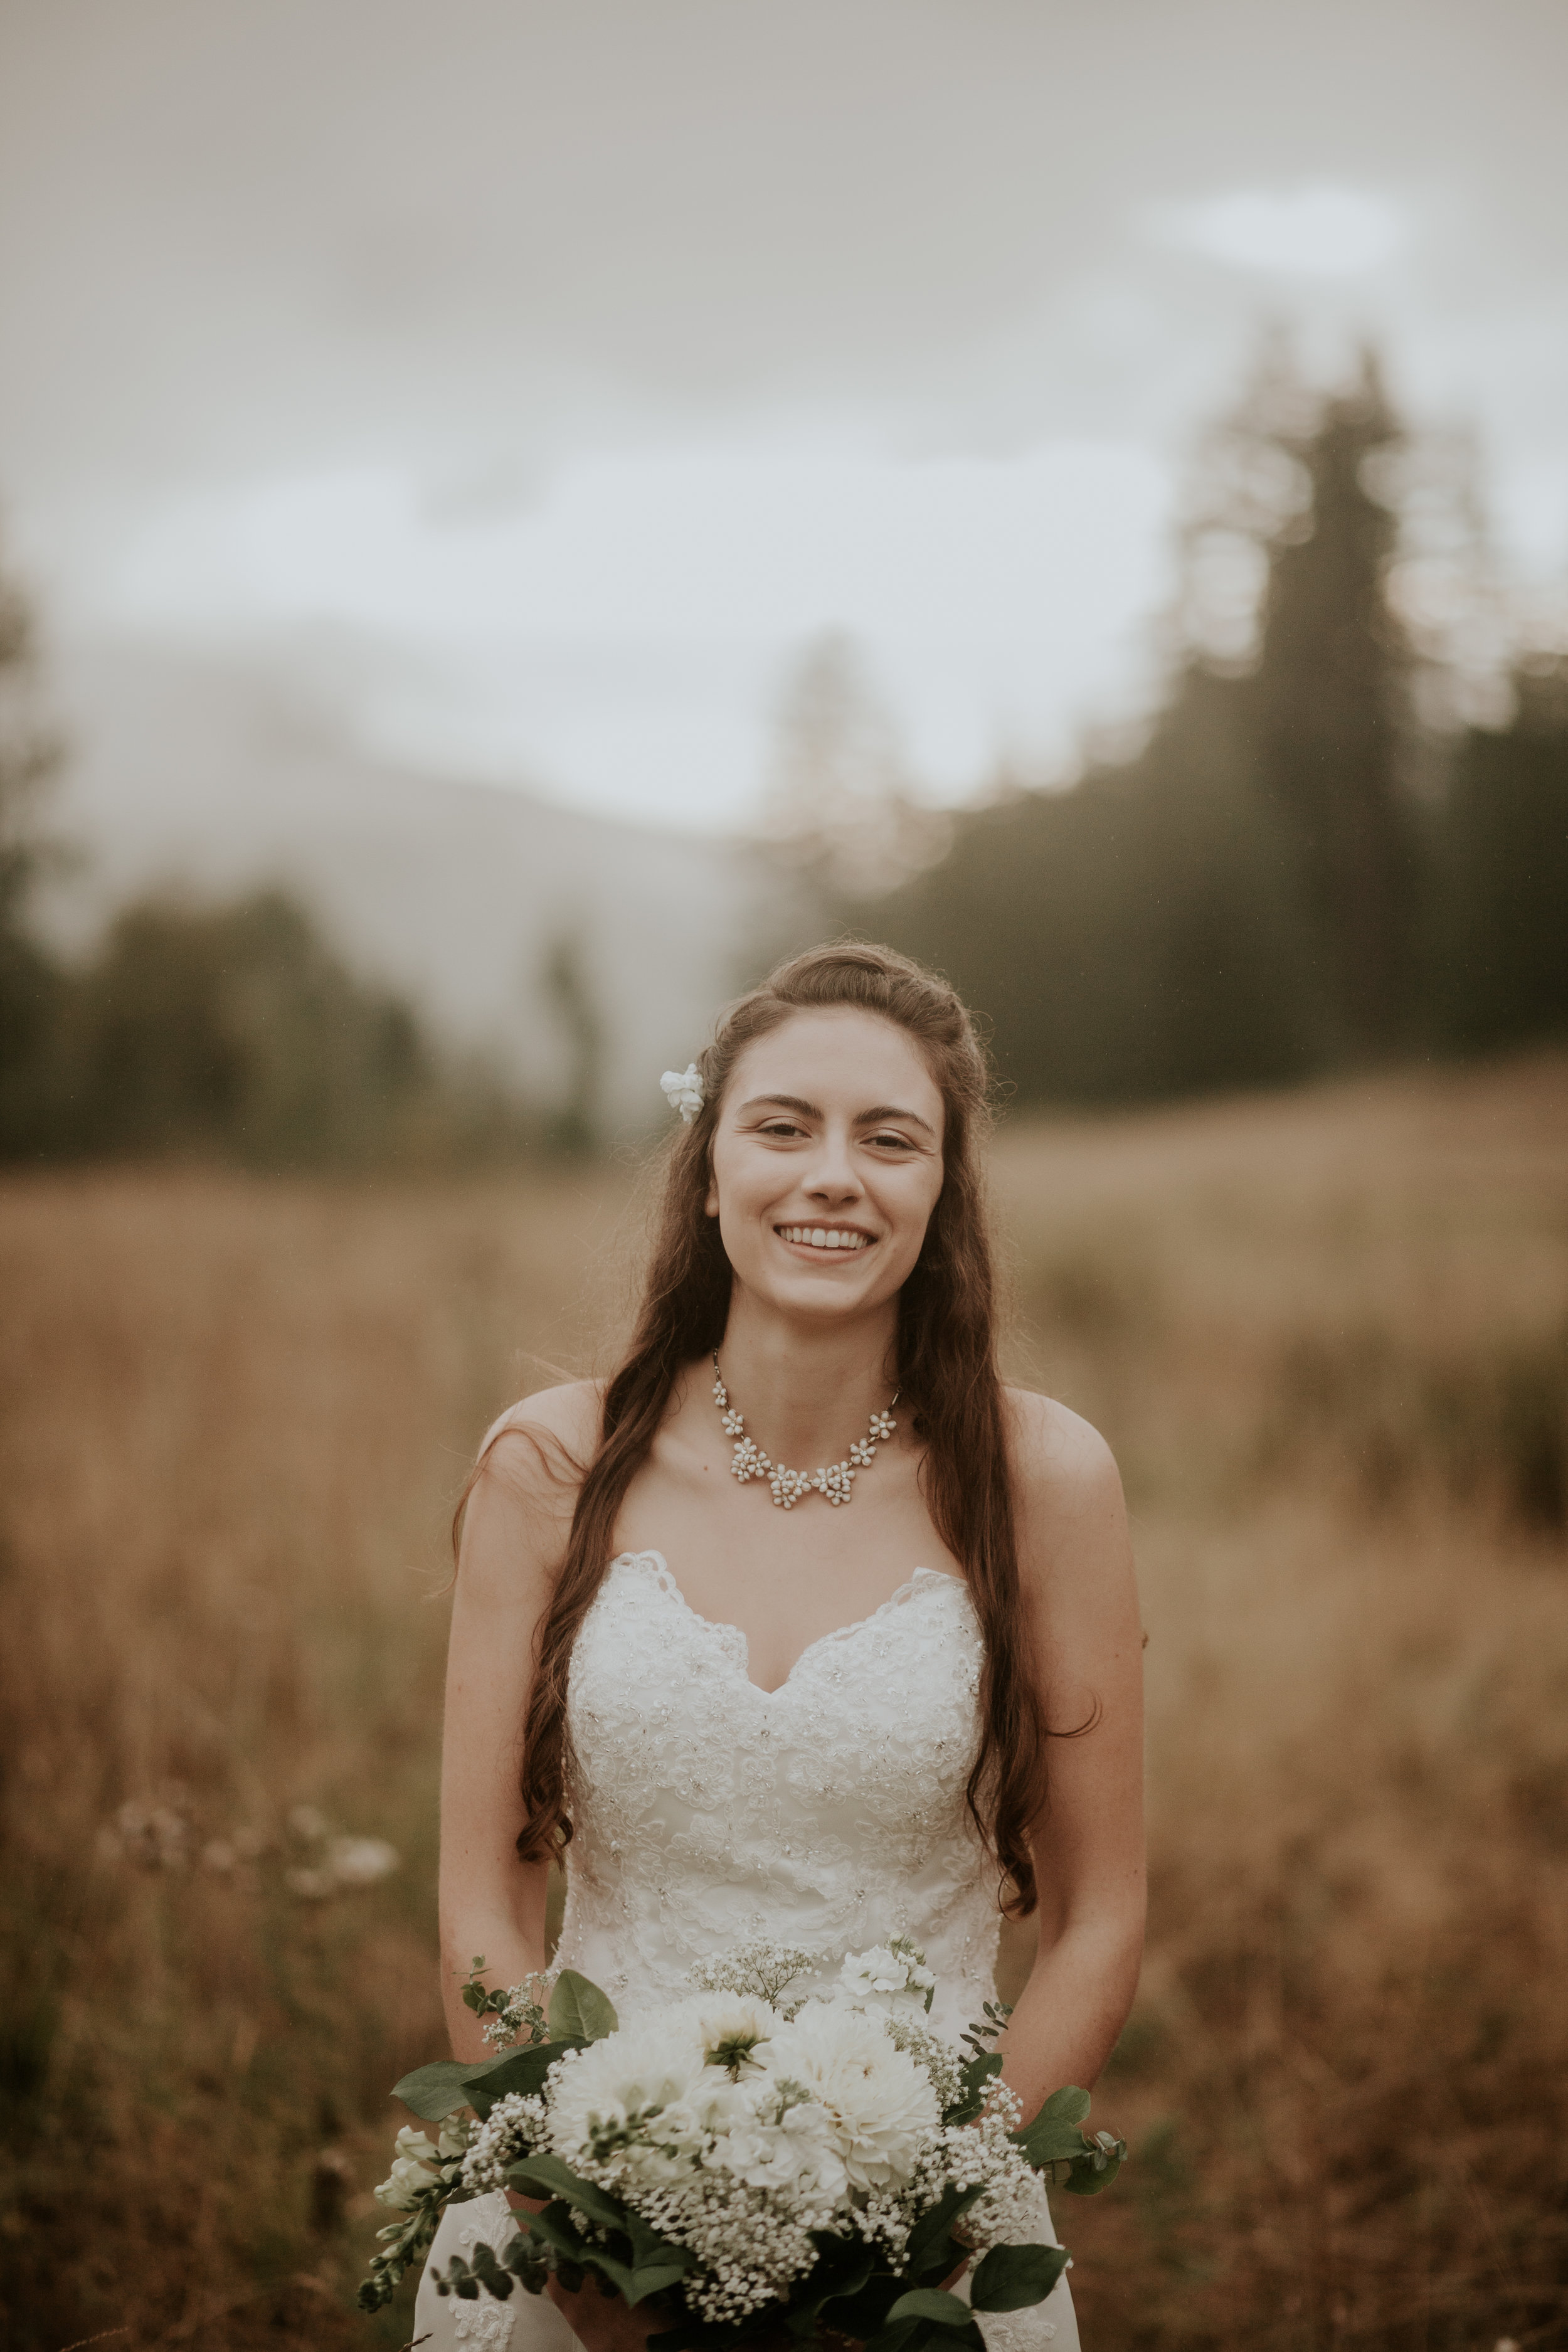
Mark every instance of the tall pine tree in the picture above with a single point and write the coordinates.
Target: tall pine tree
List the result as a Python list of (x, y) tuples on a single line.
[(1328, 705)]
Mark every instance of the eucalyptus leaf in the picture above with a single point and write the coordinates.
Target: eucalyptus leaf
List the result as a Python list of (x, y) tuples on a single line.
[(892, 2336), (1012, 2278), (522, 2070), (1067, 2105), (1091, 2174), (649, 2249), (1049, 2140), (434, 2091), (954, 2339), (547, 2176), (652, 2278), (554, 2226), (578, 2008), (930, 2237), (931, 2303)]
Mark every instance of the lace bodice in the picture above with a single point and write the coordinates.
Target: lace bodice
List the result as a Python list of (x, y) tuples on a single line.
[(829, 1812), (705, 1811)]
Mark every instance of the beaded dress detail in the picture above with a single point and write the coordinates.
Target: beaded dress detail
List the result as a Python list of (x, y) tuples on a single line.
[(829, 1812)]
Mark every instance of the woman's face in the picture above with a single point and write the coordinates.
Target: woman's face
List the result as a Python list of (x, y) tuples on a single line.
[(827, 1162)]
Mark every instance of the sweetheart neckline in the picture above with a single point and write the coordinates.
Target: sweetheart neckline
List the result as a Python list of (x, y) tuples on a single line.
[(665, 1579)]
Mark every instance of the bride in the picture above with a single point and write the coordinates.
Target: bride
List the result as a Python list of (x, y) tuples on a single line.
[(737, 1706)]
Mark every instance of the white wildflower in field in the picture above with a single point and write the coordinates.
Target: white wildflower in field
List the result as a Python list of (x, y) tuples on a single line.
[(360, 1861)]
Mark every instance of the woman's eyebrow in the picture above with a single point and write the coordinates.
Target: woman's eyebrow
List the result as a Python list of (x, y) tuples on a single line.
[(890, 1110), (783, 1102)]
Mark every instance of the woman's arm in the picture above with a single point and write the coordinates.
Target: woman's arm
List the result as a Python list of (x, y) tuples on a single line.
[(514, 1533), (1076, 1567)]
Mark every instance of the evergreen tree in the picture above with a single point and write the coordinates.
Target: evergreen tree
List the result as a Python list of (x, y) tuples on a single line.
[(1328, 705), (1237, 903), (1501, 922), (30, 981)]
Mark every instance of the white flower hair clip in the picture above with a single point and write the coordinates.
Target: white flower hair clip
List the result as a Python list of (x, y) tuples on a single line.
[(683, 1091)]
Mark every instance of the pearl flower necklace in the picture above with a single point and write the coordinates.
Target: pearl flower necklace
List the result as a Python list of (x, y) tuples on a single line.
[(788, 1487)]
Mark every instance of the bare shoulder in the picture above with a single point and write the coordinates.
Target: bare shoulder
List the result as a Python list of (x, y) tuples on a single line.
[(1052, 1447), (1067, 1486), (545, 1440), (569, 1413)]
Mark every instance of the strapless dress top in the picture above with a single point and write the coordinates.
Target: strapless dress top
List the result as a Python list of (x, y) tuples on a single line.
[(829, 1812)]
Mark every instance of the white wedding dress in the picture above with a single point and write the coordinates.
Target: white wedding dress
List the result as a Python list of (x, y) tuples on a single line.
[(705, 1811)]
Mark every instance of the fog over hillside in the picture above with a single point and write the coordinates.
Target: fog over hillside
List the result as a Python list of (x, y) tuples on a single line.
[(192, 773)]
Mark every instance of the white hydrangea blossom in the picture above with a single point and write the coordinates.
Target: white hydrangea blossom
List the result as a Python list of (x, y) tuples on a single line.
[(682, 1091), (892, 1978)]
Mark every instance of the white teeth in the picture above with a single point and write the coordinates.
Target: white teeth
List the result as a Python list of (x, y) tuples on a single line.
[(824, 1237)]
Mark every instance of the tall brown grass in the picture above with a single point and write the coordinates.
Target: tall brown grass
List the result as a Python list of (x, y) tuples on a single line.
[(1325, 1333)]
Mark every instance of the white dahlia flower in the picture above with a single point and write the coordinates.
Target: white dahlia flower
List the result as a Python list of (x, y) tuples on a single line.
[(789, 2145), (881, 2102), (729, 2026), (614, 2086)]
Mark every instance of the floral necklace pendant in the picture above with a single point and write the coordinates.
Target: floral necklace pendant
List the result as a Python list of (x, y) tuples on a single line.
[(788, 1487)]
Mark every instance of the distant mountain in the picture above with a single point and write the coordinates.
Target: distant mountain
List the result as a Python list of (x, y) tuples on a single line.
[(199, 774)]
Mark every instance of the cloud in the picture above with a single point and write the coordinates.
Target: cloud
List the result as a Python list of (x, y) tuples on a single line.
[(1317, 230), (623, 633)]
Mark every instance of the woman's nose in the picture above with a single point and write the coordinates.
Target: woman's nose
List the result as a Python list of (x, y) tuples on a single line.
[(834, 1177)]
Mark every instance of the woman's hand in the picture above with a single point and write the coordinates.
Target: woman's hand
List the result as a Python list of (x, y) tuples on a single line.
[(602, 2323)]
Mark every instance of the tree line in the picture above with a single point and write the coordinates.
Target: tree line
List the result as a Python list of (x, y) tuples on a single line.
[(1326, 851), (229, 1031), (1318, 858)]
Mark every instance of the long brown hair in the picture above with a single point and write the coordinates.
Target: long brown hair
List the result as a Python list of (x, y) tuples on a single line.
[(946, 1369)]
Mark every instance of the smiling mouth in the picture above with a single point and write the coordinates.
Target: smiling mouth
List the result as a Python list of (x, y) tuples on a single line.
[(825, 1237)]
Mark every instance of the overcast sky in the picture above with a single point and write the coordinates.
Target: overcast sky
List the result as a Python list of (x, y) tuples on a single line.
[(533, 380)]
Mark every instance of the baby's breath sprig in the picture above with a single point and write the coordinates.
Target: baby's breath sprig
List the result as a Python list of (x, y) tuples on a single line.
[(516, 2015), (760, 1968)]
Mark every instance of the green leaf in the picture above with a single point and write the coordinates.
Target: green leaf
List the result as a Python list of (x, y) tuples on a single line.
[(891, 2338), (1012, 2278), (1047, 2141), (578, 2008), (436, 2090), (546, 2176), (616, 2273), (931, 2303), (976, 2074), (841, 2270), (649, 2250), (929, 2240), (522, 2070), (652, 2278), (1068, 2106), (554, 2226), (1091, 2174)]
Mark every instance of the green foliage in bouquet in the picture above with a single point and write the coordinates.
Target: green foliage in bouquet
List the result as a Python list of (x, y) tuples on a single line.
[(850, 2284)]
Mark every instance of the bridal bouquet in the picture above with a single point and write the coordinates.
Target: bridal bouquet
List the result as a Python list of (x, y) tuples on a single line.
[(744, 2158)]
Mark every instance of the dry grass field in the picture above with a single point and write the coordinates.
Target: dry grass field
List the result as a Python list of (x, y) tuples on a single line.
[(1328, 1335)]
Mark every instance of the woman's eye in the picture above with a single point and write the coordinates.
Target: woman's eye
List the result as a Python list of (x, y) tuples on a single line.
[(781, 1129), (900, 1142)]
